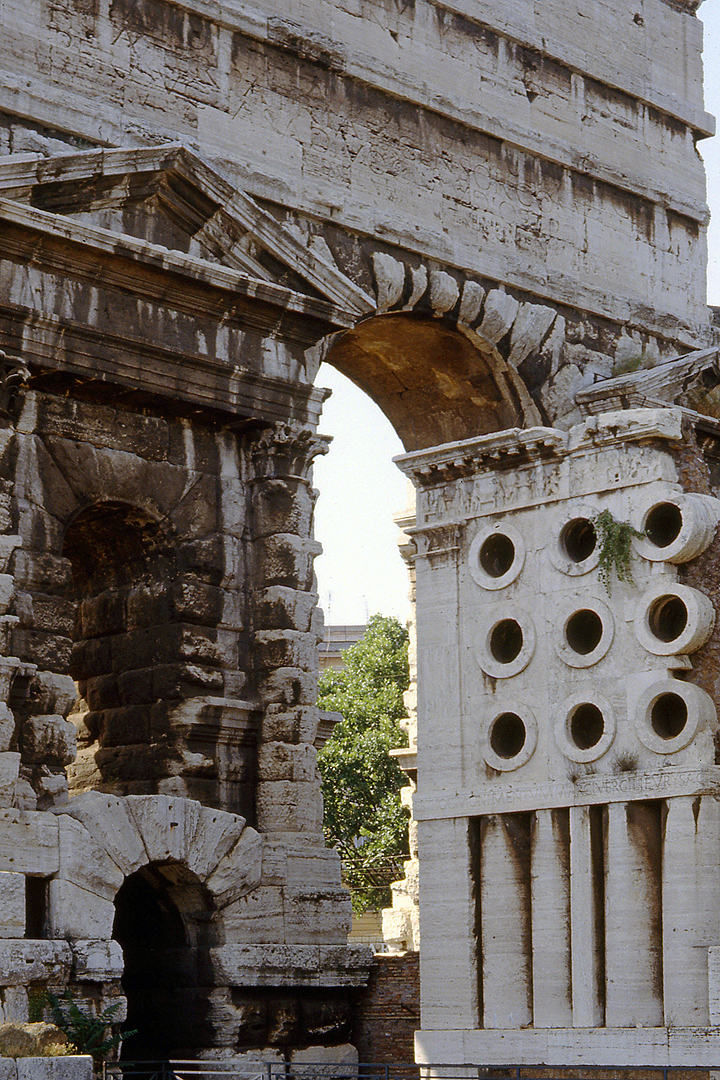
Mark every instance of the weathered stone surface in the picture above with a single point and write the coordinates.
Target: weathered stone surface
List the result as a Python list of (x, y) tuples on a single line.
[(28, 843), (16, 1041), (239, 871), (107, 819), (84, 862), (215, 834), (166, 825), (55, 1068), (284, 761), (257, 918), (97, 961), (12, 905), (287, 806), (25, 962), (8, 1069), (74, 912), (290, 725), (48, 739)]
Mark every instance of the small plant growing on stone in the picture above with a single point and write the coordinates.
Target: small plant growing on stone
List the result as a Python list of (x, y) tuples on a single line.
[(88, 1033), (615, 548)]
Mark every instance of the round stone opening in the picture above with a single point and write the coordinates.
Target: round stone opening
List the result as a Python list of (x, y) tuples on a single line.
[(508, 735), (506, 641), (668, 716), (583, 631), (663, 524), (667, 617), (587, 726), (497, 555), (578, 539)]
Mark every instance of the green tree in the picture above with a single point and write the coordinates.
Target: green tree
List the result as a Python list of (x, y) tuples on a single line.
[(364, 819)]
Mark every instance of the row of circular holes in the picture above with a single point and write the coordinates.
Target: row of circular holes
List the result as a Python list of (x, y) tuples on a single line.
[(667, 618), (579, 539), (668, 717)]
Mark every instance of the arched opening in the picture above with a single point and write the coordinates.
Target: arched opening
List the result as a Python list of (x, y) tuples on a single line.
[(165, 923), (434, 382)]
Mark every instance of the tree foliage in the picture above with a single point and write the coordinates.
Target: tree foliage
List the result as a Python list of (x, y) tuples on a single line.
[(364, 819)]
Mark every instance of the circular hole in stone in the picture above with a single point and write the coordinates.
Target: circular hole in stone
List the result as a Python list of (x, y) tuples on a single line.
[(669, 716), (587, 725), (583, 631), (497, 555), (506, 641), (507, 735), (668, 617), (663, 524), (578, 539)]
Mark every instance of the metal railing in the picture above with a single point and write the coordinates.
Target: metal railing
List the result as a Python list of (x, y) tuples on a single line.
[(218, 1070)]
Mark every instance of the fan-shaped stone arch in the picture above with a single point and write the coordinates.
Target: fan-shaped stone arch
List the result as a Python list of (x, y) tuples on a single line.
[(104, 839)]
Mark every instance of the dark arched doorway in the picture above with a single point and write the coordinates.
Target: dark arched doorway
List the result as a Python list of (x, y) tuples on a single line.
[(165, 923)]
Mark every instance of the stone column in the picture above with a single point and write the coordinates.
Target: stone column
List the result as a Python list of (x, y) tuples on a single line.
[(691, 906), (505, 921), (550, 890), (633, 926), (285, 635), (586, 916)]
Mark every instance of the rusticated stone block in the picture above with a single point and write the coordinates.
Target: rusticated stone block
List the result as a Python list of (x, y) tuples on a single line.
[(12, 906), (285, 806), (283, 761), (206, 558), (286, 649), (197, 602), (282, 506), (28, 843), (107, 818), (257, 917), (287, 559), (36, 570), (289, 686), (290, 725), (50, 693), (281, 608), (216, 833), (48, 739), (314, 916)]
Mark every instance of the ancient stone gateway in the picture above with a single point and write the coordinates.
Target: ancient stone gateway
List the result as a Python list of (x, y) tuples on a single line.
[(500, 237)]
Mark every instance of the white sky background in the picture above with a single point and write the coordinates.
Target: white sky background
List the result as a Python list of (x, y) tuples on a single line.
[(361, 572)]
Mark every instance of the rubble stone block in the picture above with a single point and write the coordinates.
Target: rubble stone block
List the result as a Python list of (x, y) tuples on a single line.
[(12, 906)]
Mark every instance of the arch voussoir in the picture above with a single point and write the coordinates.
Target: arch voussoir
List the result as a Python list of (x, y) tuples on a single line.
[(166, 825), (216, 834), (239, 872)]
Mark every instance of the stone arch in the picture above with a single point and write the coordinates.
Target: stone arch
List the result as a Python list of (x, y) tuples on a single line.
[(104, 839), (118, 855), (447, 359)]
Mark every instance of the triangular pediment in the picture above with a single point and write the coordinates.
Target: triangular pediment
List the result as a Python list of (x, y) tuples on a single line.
[(168, 197)]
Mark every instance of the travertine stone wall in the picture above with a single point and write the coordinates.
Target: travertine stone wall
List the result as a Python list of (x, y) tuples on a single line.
[(567, 745), (487, 139)]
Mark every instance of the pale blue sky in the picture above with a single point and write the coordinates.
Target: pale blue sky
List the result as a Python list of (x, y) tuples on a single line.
[(361, 572)]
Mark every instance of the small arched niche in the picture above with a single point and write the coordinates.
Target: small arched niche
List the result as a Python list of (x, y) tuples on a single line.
[(166, 923), (123, 571), (436, 383)]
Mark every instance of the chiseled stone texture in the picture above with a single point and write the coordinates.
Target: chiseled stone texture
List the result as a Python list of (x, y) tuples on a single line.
[(567, 782), (12, 905)]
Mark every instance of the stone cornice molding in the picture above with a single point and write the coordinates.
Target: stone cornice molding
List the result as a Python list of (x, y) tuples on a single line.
[(664, 384)]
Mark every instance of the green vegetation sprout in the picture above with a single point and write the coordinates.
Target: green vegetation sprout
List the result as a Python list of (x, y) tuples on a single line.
[(615, 548)]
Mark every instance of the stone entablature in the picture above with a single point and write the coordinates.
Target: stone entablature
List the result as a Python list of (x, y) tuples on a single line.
[(567, 777)]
